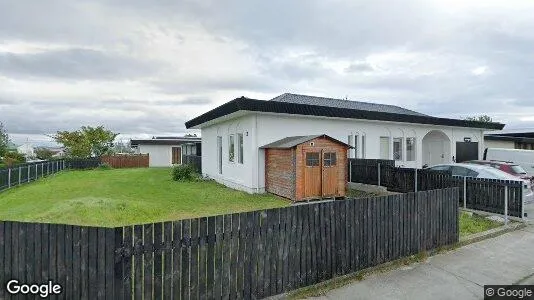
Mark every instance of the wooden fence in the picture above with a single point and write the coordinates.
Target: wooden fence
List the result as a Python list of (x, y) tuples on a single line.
[(195, 161), (22, 174), (481, 194), (248, 255), (126, 161)]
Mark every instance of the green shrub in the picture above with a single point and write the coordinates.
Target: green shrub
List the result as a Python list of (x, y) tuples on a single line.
[(104, 166), (184, 173), (12, 158)]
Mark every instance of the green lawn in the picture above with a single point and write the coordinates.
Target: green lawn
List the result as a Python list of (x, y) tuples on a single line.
[(124, 196), (475, 224)]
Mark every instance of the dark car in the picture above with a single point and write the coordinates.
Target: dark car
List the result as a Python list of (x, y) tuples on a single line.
[(508, 167)]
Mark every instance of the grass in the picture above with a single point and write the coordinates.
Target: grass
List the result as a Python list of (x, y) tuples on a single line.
[(360, 194), (124, 196), (471, 223)]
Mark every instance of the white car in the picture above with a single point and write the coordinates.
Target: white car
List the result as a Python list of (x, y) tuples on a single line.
[(481, 171)]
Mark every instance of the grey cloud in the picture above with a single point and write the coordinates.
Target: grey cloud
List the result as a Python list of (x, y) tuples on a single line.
[(209, 84), (196, 100), (73, 64), (359, 67)]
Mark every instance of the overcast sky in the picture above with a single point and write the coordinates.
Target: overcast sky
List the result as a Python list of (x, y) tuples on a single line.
[(143, 68)]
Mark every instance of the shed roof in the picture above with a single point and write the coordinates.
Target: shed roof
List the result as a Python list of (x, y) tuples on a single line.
[(292, 141)]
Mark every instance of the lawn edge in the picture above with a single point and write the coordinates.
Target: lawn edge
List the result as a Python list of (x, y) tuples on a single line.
[(322, 288)]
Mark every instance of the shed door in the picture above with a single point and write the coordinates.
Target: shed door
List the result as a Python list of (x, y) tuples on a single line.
[(330, 174), (312, 174), (320, 174)]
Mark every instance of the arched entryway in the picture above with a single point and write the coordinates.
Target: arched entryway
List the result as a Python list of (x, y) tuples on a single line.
[(436, 148)]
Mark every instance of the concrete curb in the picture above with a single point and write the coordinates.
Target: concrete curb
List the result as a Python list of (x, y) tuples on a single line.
[(473, 238)]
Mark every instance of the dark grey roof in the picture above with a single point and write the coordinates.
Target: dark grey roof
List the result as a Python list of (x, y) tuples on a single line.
[(292, 141), (173, 142), (339, 103)]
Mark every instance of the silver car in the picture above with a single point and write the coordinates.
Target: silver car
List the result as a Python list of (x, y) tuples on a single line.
[(481, 171)]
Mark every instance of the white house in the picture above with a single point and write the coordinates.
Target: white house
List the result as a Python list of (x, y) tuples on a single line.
[(510, 140), (27, 150), (233, 134), (167, 151)]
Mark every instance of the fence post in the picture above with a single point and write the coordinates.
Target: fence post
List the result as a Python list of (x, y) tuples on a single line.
[(29, 167), (20, 173), (506, 205), (465, 192), (36, 172), (415, 180), (378, 174), (9, 178)]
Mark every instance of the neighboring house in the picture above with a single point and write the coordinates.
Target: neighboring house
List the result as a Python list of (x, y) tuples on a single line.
[(510, 140), (11, 146), (167, 151), (233, 133), (27, 150)]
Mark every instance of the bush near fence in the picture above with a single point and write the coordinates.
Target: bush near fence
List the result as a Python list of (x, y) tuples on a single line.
[(482, 194), (248, 255)]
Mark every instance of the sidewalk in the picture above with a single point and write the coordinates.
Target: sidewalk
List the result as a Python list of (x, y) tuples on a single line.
[(459, 274)]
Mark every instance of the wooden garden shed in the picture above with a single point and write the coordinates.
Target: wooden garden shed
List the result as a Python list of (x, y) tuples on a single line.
[(306, 167)]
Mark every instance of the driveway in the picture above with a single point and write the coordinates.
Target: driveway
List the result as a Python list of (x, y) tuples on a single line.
[(458, 274)]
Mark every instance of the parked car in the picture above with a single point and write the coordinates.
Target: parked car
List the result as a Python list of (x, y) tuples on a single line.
[(505, 166), (524, 158), (481, 171)]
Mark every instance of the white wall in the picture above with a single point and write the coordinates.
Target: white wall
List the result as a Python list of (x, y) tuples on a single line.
[(159, 155), (239, 176), (265, 128), (500, 144)]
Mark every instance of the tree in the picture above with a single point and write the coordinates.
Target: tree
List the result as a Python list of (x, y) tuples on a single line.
[(86, 142), (43, 153), (123, 147), (482, 118), (4, 140)]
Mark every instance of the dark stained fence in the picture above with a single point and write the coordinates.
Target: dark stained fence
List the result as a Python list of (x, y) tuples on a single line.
[(193, 160), (366, 170), (82, 163), (238, 256), (489, 195), (482, 194), (258, 254), (25, 173), (80, 259), (126, 161)]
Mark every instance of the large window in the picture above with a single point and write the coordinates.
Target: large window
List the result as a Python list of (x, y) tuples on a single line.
[(240, 148), (363, 146), (397, 148), (410, 149), (384, 147), (231, 148), (351, 151)]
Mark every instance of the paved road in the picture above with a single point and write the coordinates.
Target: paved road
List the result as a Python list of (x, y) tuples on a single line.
[(459, 274)]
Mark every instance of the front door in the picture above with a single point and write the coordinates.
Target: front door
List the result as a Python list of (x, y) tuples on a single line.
[(320, 174), (176, 156)]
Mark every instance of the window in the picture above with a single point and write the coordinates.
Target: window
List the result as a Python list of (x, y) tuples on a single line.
[(351, 151), (231, 148), (464, 172), (312, 159), (410, 149), (219, 153), (397, 149), (329, 159), (240, 148), (384, 147), (363, 146), (440, 168), (356, 154)]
